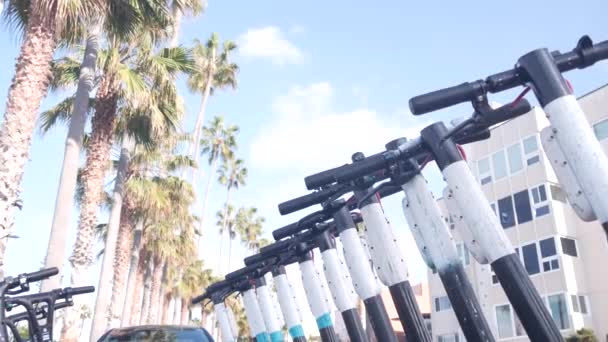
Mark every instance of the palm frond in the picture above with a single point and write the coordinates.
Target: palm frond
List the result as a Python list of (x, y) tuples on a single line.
[(60, 113), (65, 73)]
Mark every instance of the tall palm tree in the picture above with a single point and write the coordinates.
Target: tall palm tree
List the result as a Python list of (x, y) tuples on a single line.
[(226, 221), (164, 204), (232, 174), (122, 18), (178, 9), (194, 279), (213, 71), (250, 228), (45, 22), (219, 143), (143, 80)]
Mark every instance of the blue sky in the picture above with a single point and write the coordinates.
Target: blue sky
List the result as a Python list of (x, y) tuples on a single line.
[(320, 80)]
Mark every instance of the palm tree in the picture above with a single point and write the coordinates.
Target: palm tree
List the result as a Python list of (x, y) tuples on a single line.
[(147, 161), (143, 81), (213, 71), (42, 22), (232, 174), (219, 143), (226, 220), (194, 279), (68, 70), (178, 9), (250, 228)]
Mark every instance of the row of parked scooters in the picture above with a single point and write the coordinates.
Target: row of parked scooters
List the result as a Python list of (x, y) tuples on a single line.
[(580, 165), (37, 309)]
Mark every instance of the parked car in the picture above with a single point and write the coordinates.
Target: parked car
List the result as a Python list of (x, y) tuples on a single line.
[(157, 333)]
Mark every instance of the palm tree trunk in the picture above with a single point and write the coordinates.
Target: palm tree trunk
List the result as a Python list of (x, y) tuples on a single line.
[(140, 279), (104, 287), (177, 21), (219, 262), (229, 251), (200, 120), (206, 200), (147, 295), (125, 315), (157, 278), (64, 201), (98, 155), (177, 310), (29, 86), (184, 312), (122, 263), (165, 308), (224, 228)]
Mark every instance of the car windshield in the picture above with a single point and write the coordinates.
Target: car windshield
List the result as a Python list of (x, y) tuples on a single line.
[(157, 335)]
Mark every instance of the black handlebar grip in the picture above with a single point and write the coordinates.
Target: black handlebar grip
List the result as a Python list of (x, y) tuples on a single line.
[(198, 299), (254, 259), (274, 248), (286, 231), (447, 97), (74, 291), (323, 178), (306, 201), (364, 167), (473, 137), (241, 272), (42, 274), (507, 112)]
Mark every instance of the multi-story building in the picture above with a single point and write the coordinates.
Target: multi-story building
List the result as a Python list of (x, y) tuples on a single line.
[(565, 257)]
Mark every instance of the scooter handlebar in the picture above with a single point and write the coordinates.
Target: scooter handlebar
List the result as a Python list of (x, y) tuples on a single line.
[(306, 201), (585, 54), (446, 97)]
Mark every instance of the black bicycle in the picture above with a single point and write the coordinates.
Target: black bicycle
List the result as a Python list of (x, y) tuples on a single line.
[(39, 308)]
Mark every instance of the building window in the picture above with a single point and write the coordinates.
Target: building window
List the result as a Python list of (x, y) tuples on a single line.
[(569, 247), (506, 214), (508, 323), (559, 310), (485, 173), (448, 338), (579, 304), (548, 255), (514, 155), (539, 200), (500, 164), (463, 253), (531, 153), (522, 207), (530, 255), (442, 304), (557, 194), (493, 206), (504, 321), (601, 130)]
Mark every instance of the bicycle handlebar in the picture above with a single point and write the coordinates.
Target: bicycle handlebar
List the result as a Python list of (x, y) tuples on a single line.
[(42, 274), (74, 291), (585, 54)]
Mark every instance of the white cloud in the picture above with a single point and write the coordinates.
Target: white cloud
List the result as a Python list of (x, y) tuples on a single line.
[(269, 43), (308, 134)]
